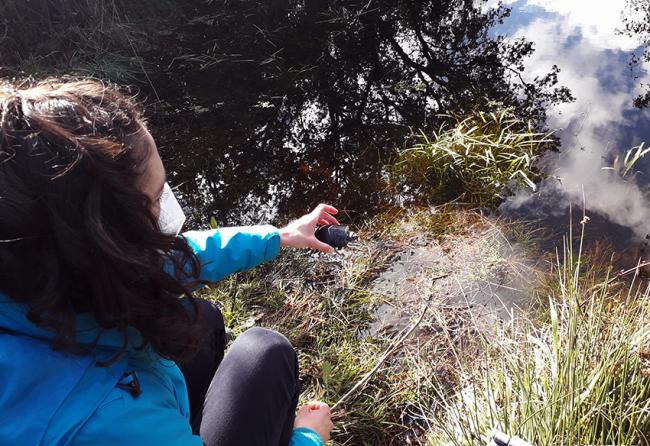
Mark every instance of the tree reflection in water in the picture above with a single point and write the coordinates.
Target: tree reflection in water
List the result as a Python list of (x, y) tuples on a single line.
[(267, 107), (636, 24)]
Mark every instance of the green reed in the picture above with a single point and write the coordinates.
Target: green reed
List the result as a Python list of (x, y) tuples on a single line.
[(483, 158)]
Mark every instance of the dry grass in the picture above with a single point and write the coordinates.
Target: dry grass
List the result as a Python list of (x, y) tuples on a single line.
[(579, 377)]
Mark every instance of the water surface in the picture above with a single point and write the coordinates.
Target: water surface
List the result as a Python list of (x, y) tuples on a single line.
[(308, 105), (584, 39)]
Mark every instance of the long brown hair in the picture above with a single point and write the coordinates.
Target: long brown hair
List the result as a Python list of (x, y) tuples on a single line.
[(76, 232)]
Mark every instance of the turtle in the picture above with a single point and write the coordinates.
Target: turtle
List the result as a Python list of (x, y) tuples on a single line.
[(337, 236)]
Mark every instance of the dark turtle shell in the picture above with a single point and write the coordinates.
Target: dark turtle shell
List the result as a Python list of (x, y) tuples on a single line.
[(337, 236)]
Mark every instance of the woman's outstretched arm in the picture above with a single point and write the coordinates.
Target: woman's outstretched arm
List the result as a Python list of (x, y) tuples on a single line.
[(225, 251)]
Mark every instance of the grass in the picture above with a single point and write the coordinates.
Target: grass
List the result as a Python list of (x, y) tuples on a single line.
[(324, 305), (625, 167), (323, 309), (574, 372), (574, 369), (582, 377), (483, 158)]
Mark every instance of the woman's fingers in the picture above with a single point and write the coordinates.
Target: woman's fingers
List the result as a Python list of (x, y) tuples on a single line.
[(324, 407), (324, 212), (316, 405), (325, 208), (304, 410), (322, 215), (312, 405), (316, 416), (329, 219), (300, 233)]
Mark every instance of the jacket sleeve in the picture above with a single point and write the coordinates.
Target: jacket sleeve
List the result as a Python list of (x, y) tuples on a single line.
[(303, 436), (225, 251)]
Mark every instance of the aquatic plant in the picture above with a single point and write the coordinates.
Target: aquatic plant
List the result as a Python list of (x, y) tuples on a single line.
[(625, 166), (481, 158)]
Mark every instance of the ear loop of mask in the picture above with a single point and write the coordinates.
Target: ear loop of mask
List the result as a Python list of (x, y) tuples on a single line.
[(171, 218)]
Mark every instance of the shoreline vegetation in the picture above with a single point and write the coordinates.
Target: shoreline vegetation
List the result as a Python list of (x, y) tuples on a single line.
[(567, 361), (572, 368), (482, 158)]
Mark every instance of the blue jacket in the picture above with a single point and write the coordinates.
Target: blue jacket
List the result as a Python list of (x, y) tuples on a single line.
[(51, 398)]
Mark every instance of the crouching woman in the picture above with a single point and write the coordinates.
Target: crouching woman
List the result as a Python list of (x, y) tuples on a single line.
[(101, 338)]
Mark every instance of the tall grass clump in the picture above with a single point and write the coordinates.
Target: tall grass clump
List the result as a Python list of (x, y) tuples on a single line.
[(483, 158), (580, 378), (625, 167)]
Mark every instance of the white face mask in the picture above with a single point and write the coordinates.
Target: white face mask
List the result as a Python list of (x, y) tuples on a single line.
[(171, 218)]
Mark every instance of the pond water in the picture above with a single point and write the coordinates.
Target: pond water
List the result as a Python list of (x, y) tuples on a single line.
[(584, 39), (307, 105)]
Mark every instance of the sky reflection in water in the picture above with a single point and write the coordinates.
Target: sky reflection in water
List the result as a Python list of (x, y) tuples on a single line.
[(580, 36)]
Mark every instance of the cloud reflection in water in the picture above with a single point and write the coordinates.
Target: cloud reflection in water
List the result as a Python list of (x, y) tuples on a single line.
[(581, 37)]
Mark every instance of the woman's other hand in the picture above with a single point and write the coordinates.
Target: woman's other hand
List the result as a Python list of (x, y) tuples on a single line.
[(317, 417), (300, 233)]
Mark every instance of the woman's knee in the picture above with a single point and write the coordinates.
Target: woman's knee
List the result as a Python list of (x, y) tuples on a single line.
[(269, 348)]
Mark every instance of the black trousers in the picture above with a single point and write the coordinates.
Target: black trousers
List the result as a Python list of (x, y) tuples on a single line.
[(247, 397)]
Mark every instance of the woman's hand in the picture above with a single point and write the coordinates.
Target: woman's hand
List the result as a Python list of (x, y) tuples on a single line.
[(300, 233), (317, 417)]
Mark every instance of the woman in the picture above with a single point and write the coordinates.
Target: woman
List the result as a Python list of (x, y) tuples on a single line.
[(101, 340)]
